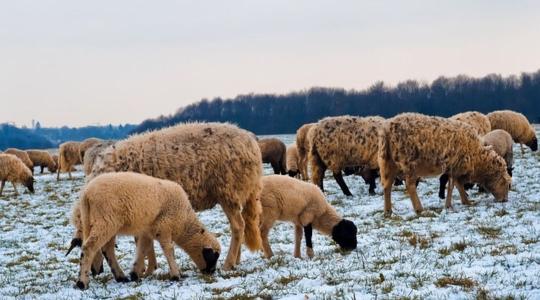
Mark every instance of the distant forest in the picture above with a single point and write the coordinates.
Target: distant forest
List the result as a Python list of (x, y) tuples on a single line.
[(445, 96), (42, 137)]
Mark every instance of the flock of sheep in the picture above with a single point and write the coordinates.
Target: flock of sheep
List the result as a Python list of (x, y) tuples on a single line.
[(150, 185)]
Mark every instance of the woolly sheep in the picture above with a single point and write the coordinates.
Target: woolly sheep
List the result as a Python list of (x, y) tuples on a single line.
[(292, 161), (42, 159), (302, 144), (85, 145), (273, 151), (289, 199), (344, 141), (91, 154), (477, 120), (413, 146), (12, 169), (516, 125), (148, 208), (213, 162), (501, 142), (23, 156), (68, 156)]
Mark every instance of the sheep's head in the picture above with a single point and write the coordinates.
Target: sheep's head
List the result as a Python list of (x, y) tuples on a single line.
[(495, 176), (533, 144), (204, 250), (29, 183), (52, 166), (344, 233)]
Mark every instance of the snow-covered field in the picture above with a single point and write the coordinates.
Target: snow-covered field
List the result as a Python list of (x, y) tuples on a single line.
[(486, 250)]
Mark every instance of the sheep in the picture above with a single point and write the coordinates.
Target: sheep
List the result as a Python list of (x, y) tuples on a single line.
[(516, 125), (91, 154), (214, 163), (344, 141), (477, 120), (292, 161), (148, 208), (302, 144), (68, 156), (414, 145), (12, 169), (23, 156), (302, 203), (42, 159), (273, 151), (85, 145), (502, 142)]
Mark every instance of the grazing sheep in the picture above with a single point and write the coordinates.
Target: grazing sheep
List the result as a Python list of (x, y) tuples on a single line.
[(344, 141), (68, 156), (128, 203), (23, 156), (502, 143), (213, 162), (289, 199), (12, 169), (302, 143), (42, 159), (91, 154), (414, 145), (274, 151), (85, 145), (516, 125), (292, 161), (477, 120)]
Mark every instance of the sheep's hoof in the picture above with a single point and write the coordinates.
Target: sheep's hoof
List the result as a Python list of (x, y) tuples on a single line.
[(96, 272), (419, 211), (80, 285), (122, 279), (388, 213), (372, 193), (175, 278), (134, 276)]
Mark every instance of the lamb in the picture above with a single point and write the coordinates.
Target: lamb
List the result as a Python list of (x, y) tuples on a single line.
[(213, 162), (341, 142), (477, 120), (516, 125), (85, 145), (42, 159), (292, 161), (413, 145), (145, 207), (289, 199), (273, 151), (12, 169), (302, 144), (68, 156), (23, 156), (91, 154), (502, 142)]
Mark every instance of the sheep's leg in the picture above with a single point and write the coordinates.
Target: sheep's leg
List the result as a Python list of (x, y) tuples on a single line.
[(339, 179), (2, 187), (58, 171), (96, 239), (303, 168), (237, 235), (69, 173), (151, 255), (298, 232), (462, 193), (317, 171), (522, 150), (138, 265), (410, 183), (110, 257), (42, 168), (15, 188), (308, 232), (265, 230), (166, 243), (388, 175), (449, 193), (97, 264), (442, 185), (275, 167)]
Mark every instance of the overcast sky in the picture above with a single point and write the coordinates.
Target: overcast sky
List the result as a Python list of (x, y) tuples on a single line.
[(76, 63)]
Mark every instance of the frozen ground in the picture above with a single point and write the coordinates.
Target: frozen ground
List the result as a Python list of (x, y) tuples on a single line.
[(488, 250)]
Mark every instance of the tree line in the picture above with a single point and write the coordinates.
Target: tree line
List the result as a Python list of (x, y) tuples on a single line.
[(445, 96)]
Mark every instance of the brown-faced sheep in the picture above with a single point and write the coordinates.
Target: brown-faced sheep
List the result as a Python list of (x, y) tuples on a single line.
[(68, 157), (413, 146), (42, 159), (292, 161), (12, 169), (516, 125), (85, 145), (146, 207), (274, 151), (213, 162), (91, 154), (344, 141), (303, 204), (302, 144), (23, 156), (477, 120)]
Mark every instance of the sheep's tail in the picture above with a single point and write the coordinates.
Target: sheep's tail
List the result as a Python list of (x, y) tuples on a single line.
[(384, 145), (85, 217), (252, 214)]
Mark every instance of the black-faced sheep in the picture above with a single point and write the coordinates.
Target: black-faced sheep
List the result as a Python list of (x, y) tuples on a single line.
[(12, 169), (213, 162), (292, 161), (274, 152), (516, 125), (128, 203), (68, 157), (91, 153), (341, 142), (85, 145), (42, 159), (23, 156), (304, 205), (477, 120), (302, 144), (413, 146)]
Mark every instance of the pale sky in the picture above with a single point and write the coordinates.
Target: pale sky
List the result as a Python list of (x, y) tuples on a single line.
[(76, 63)]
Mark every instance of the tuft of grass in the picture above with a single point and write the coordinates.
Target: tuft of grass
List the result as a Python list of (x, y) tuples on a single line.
[(419, 241), (21, 260), (135, 296), (285, 280), (490, 232), (503, 250), (459, 246), (501, 213), (463, 282)]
